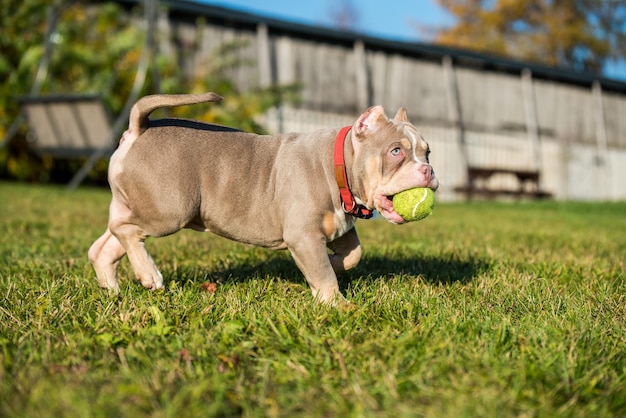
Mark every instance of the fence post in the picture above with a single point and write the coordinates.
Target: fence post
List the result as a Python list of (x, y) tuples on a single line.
[(264, 60), (532, 123), (360, 69), (455, 113), (602, 156)]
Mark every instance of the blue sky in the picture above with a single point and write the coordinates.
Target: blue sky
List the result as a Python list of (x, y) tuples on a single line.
[(404, 20), (393, 19)]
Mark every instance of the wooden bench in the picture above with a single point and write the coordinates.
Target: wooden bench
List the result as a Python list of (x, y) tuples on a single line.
[(478, 178)]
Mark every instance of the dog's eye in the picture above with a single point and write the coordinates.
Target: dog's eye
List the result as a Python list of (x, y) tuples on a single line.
[(396, 151), (428, 154)]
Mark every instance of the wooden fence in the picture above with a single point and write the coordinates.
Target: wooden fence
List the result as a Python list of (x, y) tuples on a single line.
[(475, 110)]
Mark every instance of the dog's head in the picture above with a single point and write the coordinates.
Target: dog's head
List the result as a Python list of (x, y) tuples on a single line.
[(390, 156)]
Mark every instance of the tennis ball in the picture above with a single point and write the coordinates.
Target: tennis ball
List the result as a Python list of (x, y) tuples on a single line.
[(414, 204)]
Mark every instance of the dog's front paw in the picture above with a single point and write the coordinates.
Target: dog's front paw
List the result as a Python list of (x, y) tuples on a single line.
[(333, 298), (113, 288), (157, 286), (151, 281)]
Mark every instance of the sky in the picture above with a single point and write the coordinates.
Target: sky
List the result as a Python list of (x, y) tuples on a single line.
[(391, 19), (401, 20)]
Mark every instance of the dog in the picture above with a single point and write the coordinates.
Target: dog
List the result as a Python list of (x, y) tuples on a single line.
[(298, 191)]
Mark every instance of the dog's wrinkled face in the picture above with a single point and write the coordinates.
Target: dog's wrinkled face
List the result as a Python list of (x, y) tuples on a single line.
[(396, 159)]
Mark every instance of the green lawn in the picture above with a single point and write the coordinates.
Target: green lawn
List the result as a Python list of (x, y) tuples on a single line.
[(485, 309)]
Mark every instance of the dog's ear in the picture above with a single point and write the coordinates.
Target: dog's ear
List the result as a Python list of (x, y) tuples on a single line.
[(369, 121), (401, 115)]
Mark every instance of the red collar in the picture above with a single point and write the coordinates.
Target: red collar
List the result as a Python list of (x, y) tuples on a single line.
[(348, 203)]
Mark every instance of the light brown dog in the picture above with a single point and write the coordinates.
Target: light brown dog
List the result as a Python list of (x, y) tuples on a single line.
[(301, 192)]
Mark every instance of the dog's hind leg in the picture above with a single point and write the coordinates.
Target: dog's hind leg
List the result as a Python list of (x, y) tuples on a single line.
[(132, 237), (105, 254)]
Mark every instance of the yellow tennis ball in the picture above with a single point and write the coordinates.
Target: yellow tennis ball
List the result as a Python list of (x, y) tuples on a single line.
[(414, 204)]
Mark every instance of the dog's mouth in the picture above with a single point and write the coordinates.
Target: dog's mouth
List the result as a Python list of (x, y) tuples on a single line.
[(386, 209), (384, 206)]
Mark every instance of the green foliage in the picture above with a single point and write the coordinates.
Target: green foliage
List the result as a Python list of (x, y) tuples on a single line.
[(21, 45), (96, 50), (480, 310)]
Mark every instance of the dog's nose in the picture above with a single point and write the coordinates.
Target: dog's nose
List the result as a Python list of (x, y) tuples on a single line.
[(427, 171)]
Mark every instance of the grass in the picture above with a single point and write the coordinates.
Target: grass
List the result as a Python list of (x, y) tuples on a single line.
[(484, 309)]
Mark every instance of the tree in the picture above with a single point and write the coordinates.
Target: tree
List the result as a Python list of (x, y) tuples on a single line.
[(579, 34)]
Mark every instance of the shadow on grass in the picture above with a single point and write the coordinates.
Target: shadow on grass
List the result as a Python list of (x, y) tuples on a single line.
[(433, 270)]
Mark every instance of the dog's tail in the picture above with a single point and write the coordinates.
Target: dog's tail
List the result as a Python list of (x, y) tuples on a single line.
[(138, 122)]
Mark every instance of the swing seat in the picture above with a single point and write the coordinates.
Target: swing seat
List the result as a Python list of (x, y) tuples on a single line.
[(67, 126)]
